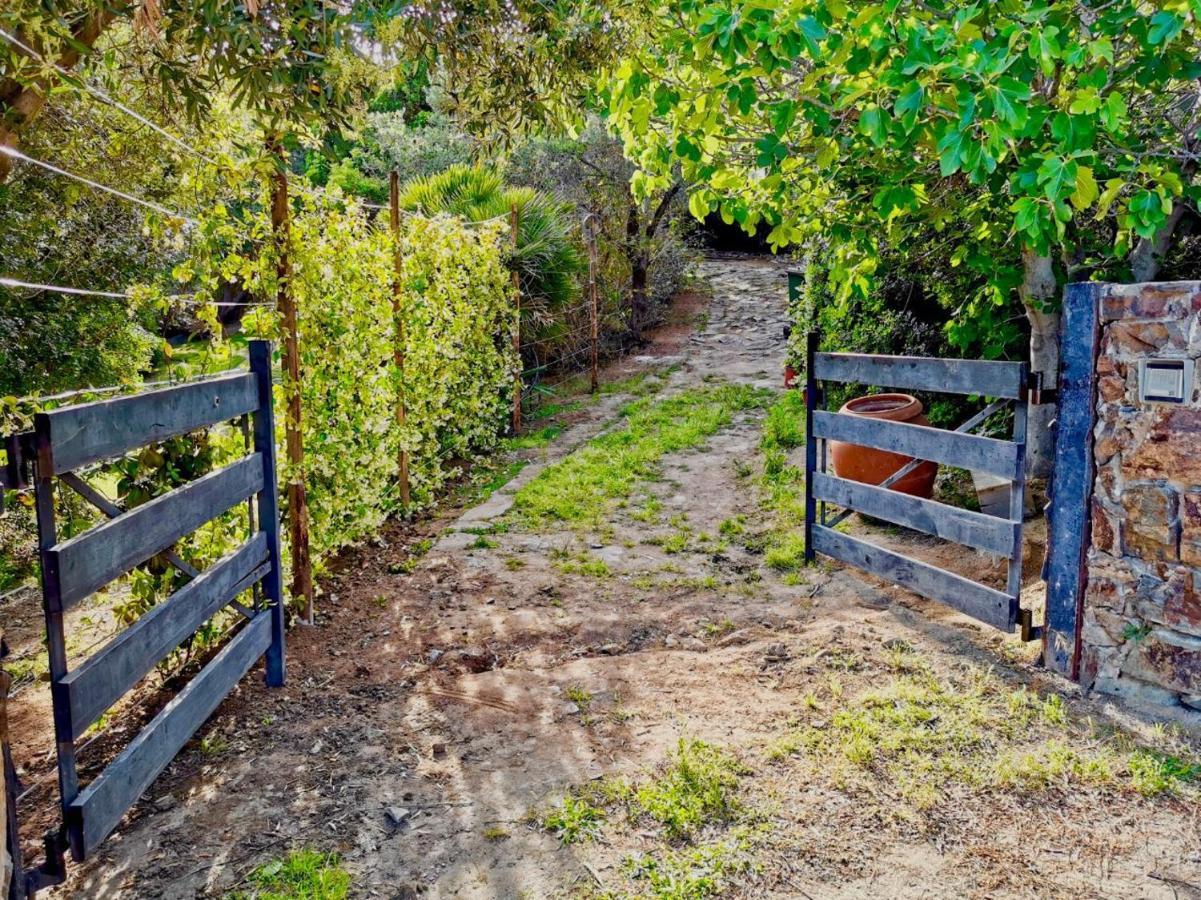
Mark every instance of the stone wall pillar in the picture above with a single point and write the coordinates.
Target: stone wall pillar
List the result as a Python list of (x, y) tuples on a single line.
[(1140, 622)]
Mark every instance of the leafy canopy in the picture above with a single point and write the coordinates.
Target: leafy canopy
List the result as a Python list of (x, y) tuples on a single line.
[(1013, 125)]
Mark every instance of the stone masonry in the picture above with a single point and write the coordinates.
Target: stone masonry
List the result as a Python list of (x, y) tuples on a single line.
[(1141, 634)]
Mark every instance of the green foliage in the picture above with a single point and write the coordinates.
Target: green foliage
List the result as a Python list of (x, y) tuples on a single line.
[(582, 488), (457, 318), (1054, 128), (697, 787), (301, 875), (297, 64)]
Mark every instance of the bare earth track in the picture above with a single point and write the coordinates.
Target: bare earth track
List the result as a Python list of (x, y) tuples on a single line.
[(428, 711)]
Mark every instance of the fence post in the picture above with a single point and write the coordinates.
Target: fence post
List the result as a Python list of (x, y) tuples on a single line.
[(517, 329), (812, 341), (399, 337), (298, 505), (264, 443), (594, 310), (8, 867)]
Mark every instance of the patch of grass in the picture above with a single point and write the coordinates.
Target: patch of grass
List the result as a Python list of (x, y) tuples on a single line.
[(213, 744), (717, 629), (580, 696), (676, 542), (917, 734), (584, 564), (786, 552), (1153, 773), (573, 820), (416, 551), (785, 425), (495, 833), (732, 527), (581, 489), (513, 563), (648, 511), (301, 875), (487, 480), (531, 440), (483, 542), (697, 787), (692, 873)]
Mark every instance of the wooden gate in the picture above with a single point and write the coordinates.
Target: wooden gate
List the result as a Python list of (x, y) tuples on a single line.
[(69, 439), (1007, 383)]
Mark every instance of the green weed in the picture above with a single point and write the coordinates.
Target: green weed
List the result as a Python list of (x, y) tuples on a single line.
[(698, 786), (533, 439), (1153, 773), (301, 875), (785, 424), (573, 820), (693, 873)]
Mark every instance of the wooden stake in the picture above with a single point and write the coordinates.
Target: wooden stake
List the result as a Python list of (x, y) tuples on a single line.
[(298, 504), (517, 330), (399, 337), (594, 309), (7, 867)]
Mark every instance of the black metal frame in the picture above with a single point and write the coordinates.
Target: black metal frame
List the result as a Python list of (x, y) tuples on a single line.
[(63, 442), (1009, 383)]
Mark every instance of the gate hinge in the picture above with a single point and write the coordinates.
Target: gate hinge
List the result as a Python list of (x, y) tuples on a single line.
[(1029, 631), (1038, 395)]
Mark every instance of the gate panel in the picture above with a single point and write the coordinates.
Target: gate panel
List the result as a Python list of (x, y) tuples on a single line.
[(63, 441), (1006, 381)]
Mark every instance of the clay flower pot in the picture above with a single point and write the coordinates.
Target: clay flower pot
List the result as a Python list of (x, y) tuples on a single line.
[(872, 466)]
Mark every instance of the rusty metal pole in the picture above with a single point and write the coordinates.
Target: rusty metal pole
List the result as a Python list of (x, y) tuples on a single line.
[(298, 504), (399, 337), (517, 328), (594, 309)]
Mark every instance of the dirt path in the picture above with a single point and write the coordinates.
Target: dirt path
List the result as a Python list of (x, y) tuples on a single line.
[(438, 703)]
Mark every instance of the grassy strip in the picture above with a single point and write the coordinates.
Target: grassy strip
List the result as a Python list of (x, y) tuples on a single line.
[(918, 735), (581, 489), (783, 485)]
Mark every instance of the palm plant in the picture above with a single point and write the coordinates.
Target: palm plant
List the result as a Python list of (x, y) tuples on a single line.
[(547, 258)]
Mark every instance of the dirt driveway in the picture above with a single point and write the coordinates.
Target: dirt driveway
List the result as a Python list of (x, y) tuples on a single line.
[(610, 679)]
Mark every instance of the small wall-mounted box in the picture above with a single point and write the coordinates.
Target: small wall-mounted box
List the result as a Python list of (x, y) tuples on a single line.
[(1165, 380)]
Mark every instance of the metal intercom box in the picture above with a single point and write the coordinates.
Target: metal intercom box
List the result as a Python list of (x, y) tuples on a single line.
[(1165, 380)]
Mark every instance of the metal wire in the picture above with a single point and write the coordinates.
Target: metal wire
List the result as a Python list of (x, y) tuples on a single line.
[(88, 292), (17, 154), (105, 98)]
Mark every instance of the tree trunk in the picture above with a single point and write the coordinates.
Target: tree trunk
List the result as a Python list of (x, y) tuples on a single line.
[(639, 266), (22, 103), (1039, 287), (1148, 255)]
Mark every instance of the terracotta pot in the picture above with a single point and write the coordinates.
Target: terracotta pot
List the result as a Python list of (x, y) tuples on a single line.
[(871, 466)]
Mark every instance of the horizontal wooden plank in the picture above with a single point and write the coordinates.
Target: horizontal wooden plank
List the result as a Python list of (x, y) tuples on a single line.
[(977, 600), (950, 523), (99, 807), (91, 560), (920, 373), (968, 451), (76, 436), (96, 685)]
